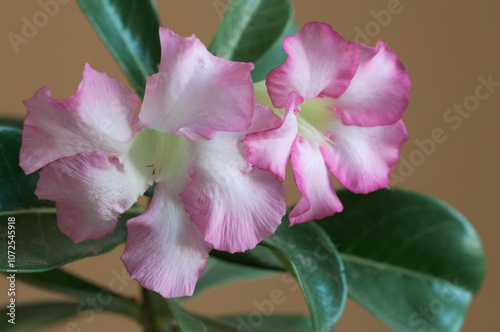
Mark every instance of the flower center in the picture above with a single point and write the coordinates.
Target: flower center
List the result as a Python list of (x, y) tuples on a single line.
[(316, 116), (158, 154), (314, 119), (262, 97), (163, 142)]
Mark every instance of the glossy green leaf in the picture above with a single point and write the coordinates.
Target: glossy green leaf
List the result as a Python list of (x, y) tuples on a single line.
[(34, 316), (219, 272), (39, 245), (274, 57), (273, 323), (411, 260), (189, 322), (129, 28), (250, 28), (87, 293), (12, 123), (16, 189), (260, 257), (308, 253)]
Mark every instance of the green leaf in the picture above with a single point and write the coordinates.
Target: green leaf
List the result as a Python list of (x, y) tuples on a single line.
[(274, 323), (130, 29), (17, 189), (250, 28), (189, 322), (411, 260), (66, 283), (40, 246), (12, 123), (260, 257), (308, 253), (156, 314), (219, 272), (274, 57), (34, 316)]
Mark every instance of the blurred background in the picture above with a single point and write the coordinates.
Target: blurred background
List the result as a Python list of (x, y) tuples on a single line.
[(447, 46)]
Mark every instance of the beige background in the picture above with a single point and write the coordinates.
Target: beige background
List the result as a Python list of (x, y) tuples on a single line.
[(445, 45)]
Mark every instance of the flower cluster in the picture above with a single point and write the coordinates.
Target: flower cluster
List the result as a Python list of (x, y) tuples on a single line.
[(217, 148), (341, 104)]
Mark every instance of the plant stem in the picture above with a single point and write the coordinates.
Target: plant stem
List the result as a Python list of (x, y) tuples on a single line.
[(155, 312), (148, 318)]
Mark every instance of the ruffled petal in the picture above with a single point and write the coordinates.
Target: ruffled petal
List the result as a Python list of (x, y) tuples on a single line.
[(90, 193), (196, 91), (362, 158), (270, 149), (314, 181), (378, 93), (234, 205), (99, 117), (320, 63), (263, 119), (165, 251)]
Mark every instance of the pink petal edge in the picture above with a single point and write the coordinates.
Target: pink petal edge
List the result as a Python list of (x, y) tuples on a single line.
[(362, 157), (379, 92), (99, 117), (234, 205), (165, 251), (320, 63), (197, 91), (90, 194), (270, 149), (314, 181)]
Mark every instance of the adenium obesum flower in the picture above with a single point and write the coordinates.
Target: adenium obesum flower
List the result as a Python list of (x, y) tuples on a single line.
[(341, 104), (97, 158)]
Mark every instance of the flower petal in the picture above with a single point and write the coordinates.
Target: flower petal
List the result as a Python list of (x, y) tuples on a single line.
[(378, 93), (90, 193), (314, 181), (320, 63), (99, 117), (363, 157), (263, 119), (197, 91), (165, 251), (270, 149), (234, 205)]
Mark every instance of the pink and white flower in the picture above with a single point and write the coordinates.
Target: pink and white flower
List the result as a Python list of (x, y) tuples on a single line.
[(341, 104), (97, 158)]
